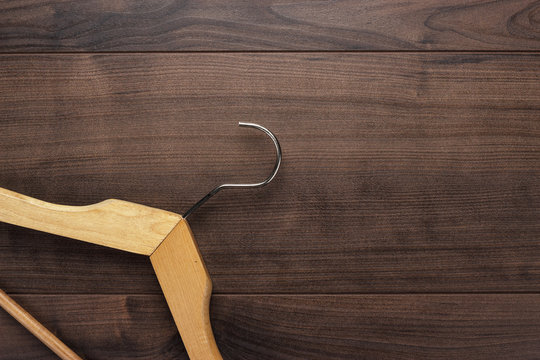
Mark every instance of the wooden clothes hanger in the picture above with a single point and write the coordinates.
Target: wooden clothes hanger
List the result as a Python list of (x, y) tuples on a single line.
[(163, 236)]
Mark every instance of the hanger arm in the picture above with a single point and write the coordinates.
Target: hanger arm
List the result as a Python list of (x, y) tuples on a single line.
[(113, 223), (187, 287)]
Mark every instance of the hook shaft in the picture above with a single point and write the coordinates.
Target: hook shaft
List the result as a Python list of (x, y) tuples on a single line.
[(253, 185)]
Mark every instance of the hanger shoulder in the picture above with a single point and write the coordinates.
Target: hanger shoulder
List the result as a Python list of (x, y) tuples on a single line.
[(113, 223), (187, 287)]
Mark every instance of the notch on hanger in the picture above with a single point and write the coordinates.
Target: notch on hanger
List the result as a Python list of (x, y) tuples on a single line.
[(163, 236)]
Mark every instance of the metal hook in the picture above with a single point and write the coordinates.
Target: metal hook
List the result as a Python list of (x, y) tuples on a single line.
[(262, 183)]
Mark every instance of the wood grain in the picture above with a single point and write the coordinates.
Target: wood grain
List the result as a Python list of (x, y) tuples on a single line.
[(401, 172), (112, 223), (173, 25), (187, 287), (96, 327), (36, 328), (404, 223), (262, 327)]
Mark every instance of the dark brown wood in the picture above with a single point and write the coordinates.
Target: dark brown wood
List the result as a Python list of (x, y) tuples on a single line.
[(155, 25), (96, 327), (262, 327), (401, 172), (404, 224)]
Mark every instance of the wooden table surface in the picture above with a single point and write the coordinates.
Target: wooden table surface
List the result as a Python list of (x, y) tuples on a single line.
[(404, 223)]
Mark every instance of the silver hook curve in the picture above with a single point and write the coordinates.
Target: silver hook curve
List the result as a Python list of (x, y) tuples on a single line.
[(254, 185)]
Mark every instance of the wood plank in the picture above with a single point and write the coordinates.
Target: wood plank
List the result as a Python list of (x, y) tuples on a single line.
[(96, 327), (36, 328), (401, 172), (290, 327), (210, 25)]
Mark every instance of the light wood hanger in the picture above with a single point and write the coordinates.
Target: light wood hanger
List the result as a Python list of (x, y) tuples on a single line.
[(163, 236)]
